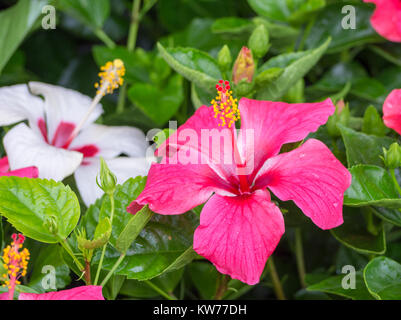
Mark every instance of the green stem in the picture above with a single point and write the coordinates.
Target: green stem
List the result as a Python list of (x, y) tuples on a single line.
[(105, 38), (278, 288), (392, 172), (299, 254), (67, 248), (111, 196), (113, 269), (222, 287), (160, 291), (131, 43)]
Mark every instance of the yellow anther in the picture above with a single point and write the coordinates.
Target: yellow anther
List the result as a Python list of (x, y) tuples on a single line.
[(225, 106), (111, 77)]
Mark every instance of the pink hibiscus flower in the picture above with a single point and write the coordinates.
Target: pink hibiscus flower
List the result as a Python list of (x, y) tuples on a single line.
[(78, 293), (386, 19), (29, 172), (392, 110), (240, 226)]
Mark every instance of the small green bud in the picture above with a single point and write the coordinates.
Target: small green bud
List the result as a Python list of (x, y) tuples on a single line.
[(341, 116), (224, 58), (392, 156), (296, 93), (373, 123), (108, 180), (50, 224), (259, 41)]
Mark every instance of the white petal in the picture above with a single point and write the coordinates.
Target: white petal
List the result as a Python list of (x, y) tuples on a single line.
[(65, 105), (123, 167), (113, 141), (26, 148), (18, 104)]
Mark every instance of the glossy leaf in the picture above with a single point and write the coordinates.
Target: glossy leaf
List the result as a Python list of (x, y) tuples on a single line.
[(371, 185), (362, 148), (383, 278), (195, 65), (15, 23), (354, 233), (296, 65), (31, 205), (329, 24), (159, 104), (333, 285)]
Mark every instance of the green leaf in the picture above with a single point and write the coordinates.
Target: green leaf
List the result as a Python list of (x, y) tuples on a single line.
[(42, 270), (31, 205), (371, 185), (101, 237), (195, 65), (232, 25), (159, 104), (15, 23), (296, 67), (205, 277), (164, 245), (383, 278), (362, 148), (328, 24), (333, 285), (285, 10), (373, 123), (133, 228), (136, 63), (353, 233), (92, 13), (390, 215)]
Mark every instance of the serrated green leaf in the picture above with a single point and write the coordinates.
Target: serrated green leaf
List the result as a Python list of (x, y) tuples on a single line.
[(29, 204), (195, 65)]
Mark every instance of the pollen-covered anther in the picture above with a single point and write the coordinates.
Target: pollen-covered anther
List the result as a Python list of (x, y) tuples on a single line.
[(111, 77), (15, 261), (225, 106)]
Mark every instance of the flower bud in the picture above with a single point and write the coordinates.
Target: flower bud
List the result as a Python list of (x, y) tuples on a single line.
[(341, 116), (108, 180), (244, 66), (392, 156), (224, 58), (50, 224), (259, 41)]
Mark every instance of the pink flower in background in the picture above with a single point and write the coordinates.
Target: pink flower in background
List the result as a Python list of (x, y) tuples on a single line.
[(386, 19), (79, 293), (392, 110), (240, 226), (52, 143), (29, 172)]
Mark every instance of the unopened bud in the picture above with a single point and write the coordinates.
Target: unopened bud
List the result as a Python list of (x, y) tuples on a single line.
[(341, 116), (106, 180), (259, 41), (392, 156), (244, 66), (224, 58), (50, 224)]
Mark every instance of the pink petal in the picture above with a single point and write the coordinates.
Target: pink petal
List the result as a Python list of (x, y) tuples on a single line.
[(313, 178), (238, 234), (386, 19), (29, 172), (4, 165), (278, 123), (175, 188), (79, 293), (4, 296), (193, 137), (392, 110)]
